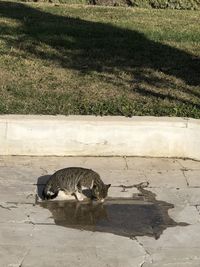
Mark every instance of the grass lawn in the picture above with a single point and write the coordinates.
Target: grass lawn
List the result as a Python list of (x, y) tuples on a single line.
[(73, 59)]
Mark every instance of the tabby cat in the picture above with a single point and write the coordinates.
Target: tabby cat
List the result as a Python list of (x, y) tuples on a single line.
[(72, 181)]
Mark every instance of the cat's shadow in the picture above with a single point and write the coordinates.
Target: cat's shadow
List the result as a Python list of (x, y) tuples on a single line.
[(42, 180)]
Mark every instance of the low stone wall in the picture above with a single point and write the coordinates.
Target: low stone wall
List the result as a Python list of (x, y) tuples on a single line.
[(99, 136)]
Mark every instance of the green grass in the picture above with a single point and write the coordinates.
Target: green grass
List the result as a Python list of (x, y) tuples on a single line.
[(78, 59), (161, 4)]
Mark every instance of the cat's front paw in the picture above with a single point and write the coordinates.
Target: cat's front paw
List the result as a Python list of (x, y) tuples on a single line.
[(79, 196)]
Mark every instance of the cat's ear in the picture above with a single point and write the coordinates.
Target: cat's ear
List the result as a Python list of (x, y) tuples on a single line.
[(94, 186), (108, 185)]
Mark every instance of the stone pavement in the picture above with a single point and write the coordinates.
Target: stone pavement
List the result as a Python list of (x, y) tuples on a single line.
[(30, 237)]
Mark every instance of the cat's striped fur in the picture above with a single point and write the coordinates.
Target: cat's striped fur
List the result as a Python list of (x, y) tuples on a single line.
[(72, 180)]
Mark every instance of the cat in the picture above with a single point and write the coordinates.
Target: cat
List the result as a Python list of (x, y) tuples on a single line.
[(72, 180)]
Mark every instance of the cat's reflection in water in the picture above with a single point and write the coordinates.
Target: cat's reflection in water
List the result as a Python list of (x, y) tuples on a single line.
[(73, 213), (122, 217)]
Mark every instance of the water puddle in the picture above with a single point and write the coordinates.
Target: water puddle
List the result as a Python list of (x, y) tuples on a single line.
[(141, 215)]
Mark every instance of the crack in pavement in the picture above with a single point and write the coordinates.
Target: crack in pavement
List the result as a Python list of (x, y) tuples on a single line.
[(25, 255), (20, 203), (181, 165), (8, 208), (28, 250), (185, 168), (147, 256), (142, 184), (197, 208), (35, 223), (126, 164), (183, 172)]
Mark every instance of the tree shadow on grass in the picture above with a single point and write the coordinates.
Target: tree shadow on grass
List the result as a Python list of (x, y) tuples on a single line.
[(90, 46)]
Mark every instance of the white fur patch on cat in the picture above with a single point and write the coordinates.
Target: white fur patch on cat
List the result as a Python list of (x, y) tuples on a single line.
[(50, 193), (79, 196), (63, 196)]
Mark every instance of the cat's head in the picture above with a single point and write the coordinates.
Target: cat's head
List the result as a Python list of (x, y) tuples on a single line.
[(100, 192)]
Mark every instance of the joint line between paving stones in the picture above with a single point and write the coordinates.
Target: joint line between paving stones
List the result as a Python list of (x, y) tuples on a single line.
[(177, 160), (182, 166), (28, 250), (147, 254), (33, 223), (141, 245), (26, 254), (7, 208), (126, 163), (183, 171), (196, 206)]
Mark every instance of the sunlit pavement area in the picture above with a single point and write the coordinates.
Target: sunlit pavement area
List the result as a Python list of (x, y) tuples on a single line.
[(29, 235)]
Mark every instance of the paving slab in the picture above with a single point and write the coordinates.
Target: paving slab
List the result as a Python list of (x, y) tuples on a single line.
[(190, 195), (174, 257), (29, 236), (12, 255), (193, 177), (178, 196), (17, 193), (178, 237), (189, 164), (24, 214), (55, 245), (185, 213), (123, 177), (16, 234), (77, 256), (52, 163), (166, 178), (175, 247), (169, 195), (14, 213), (143, 163)]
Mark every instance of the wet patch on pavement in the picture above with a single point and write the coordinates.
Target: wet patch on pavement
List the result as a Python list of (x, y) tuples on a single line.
[(141, 215)]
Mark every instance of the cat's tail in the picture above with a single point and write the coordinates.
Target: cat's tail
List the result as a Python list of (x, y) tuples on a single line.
[(47, 193)]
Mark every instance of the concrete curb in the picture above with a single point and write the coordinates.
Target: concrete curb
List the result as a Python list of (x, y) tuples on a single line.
[(99, 136)]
